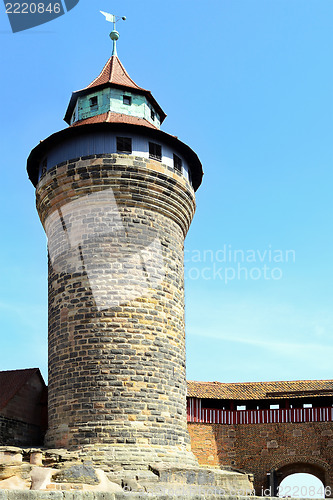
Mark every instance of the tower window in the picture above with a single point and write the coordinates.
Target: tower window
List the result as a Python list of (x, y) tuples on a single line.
[(177, 164), (155, 151), (127, 99), (152, 114), (44, 166), (93, 101), (124, 145)]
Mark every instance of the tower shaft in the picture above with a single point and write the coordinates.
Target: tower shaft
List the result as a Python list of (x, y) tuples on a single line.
[(116, 226)]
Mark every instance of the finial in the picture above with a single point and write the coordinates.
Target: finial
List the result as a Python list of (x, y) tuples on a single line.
[(114, 35)]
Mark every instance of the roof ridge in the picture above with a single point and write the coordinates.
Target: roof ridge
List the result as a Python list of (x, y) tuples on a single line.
[(20, 370), (111, 68), (261, 382)]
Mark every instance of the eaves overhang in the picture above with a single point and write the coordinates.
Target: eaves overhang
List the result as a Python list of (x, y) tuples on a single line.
[(39, 152)]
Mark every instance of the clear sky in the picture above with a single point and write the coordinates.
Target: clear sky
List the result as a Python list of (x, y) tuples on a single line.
[(248, 84)]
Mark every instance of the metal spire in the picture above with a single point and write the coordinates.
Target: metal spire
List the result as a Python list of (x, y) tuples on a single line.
[(114, 35)]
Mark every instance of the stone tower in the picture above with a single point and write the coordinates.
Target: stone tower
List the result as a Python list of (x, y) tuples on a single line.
[(115, 196)]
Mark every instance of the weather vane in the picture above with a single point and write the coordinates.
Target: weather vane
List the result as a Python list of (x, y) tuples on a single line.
[(114, 35)]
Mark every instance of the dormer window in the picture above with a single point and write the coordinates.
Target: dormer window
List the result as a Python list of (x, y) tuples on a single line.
[(127, 99), (93, 101), (177, 164), (124, 145), (155, 151)]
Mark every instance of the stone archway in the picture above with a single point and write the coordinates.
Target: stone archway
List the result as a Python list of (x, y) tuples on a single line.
[(278, 474), (307, 468)]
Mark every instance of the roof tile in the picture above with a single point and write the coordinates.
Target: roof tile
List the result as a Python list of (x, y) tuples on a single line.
[(11, 382), (114, 72), (259, 390)]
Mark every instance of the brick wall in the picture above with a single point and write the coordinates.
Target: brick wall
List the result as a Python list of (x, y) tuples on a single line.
[(258, 448), (117, 370)]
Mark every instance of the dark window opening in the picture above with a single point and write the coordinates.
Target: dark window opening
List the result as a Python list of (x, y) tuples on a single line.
[(93, 101), (124, 145), (127, 99), (152, 114), (177, 163), (44, 166), (155, 151)]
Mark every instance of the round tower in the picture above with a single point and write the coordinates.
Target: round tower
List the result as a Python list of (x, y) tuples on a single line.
[(116, 198)]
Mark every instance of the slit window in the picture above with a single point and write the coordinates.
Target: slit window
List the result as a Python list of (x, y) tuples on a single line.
[(155, 151), (177, 164), (124, 145), (152, 114), (127, 99), (93, 101)]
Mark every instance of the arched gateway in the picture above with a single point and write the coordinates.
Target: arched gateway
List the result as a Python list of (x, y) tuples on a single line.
[(278, 473), (269, 429)]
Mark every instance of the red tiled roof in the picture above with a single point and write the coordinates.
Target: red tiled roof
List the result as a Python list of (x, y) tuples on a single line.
[(260, 390), (115, 118), (11, 382), (114, 72)]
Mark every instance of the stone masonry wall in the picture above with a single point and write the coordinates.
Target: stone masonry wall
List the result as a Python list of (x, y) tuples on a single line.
[(116, 226), (17, 433), (258, 448)]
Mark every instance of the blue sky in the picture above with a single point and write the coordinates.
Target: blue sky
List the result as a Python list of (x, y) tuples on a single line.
[(248, 84)]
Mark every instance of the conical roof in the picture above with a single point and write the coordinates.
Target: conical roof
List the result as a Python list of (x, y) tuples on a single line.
[(113, 75)]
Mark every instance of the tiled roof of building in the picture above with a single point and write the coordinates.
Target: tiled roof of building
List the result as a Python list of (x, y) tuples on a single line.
[(114, 72), (110, 117), (260, 390), (11, 382)]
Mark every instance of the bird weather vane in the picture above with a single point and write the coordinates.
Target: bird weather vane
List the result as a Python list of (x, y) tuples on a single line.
[(114, 35)]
